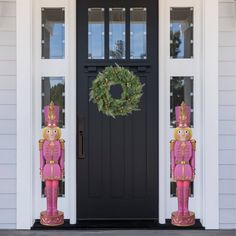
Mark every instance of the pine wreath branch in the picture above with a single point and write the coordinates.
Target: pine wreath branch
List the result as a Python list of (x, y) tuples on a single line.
[(130, 97)]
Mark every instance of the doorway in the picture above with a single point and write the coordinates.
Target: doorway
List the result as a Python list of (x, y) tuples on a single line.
[(117, 159)]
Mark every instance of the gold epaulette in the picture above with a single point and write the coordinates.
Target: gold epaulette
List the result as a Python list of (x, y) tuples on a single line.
[(193, 142), (172, 143), (62, 142), (41, 141)]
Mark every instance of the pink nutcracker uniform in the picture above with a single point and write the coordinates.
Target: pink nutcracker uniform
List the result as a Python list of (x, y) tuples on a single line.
[(183, 160), (182, 154), (52, 159)]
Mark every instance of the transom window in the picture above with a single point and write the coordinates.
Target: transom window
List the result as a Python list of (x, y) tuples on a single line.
[(96, 32), (125, 37)]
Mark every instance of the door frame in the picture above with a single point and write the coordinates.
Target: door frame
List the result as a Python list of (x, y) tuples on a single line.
[(25, 105)]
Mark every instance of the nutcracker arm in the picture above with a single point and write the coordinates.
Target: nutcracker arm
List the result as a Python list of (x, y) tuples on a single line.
[(42, 160), (193, 142), (62, 159), (172, 158)]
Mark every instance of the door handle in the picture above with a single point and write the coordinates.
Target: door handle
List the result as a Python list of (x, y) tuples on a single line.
[(81, 139)]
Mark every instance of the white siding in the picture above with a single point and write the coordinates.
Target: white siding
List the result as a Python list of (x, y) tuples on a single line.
[(7, 114), (227, 113)]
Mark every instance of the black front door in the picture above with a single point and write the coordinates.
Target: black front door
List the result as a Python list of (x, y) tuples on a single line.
[(117, 165)]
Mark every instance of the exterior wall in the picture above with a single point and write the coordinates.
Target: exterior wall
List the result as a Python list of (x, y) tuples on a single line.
[(7, 114), (227, 113), (209, 139)]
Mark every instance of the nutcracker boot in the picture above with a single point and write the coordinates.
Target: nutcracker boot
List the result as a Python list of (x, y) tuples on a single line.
[(54, 197), (49, 197), (179, 192), (186, 197)]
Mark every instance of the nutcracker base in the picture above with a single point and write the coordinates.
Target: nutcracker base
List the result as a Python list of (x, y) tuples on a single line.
[(52, 220), (182, 220)]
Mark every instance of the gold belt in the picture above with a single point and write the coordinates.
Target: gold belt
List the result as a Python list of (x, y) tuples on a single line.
[(182, 162), (52, 162)]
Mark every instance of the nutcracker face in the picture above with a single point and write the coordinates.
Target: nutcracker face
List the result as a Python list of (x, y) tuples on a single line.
[(51, 134), (183, 134)]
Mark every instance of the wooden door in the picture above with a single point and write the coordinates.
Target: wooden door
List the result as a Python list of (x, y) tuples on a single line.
[(117, 165)]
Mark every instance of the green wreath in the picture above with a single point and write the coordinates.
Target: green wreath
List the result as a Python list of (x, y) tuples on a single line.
[(130, 96)]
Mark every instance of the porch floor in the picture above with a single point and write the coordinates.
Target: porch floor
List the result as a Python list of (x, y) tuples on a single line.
[(119, 233)]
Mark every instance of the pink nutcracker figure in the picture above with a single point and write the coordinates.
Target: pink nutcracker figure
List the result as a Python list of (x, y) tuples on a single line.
[(182, 152), (51, 165)]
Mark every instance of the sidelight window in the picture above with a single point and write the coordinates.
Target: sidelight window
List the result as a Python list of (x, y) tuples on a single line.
[(53, 89), (181, 89), (183, 77), (53, 33), (51, 67), (181, 32)]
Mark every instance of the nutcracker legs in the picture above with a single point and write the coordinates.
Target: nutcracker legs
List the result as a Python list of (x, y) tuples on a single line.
[(51, 217), (51, 193), (182, 191), (183, 217), (179, 192), (186, 197), (48, 191), (54, 196)]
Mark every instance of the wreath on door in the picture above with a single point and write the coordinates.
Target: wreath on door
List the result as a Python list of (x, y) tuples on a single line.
[(130, 96)]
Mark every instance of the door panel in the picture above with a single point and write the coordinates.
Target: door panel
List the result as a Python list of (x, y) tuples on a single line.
[(117, 174)]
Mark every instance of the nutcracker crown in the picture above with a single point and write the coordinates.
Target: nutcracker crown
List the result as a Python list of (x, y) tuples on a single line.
[(182, 115), (51, 114)]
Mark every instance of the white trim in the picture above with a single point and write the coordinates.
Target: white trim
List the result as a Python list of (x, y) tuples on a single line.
[(42, 68), (66, 68), (210, 120), (24, 115), (72, 111), (162, 118), (177, 67), (185, 67)]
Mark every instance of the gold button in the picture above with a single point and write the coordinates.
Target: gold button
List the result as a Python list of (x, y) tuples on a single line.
[(182, 162)]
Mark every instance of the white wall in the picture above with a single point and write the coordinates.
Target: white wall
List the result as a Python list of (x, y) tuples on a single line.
[(7, 114), (227, 113)]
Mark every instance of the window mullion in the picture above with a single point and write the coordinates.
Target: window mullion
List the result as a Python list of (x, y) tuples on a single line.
[(106, 33), (127, 33)]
